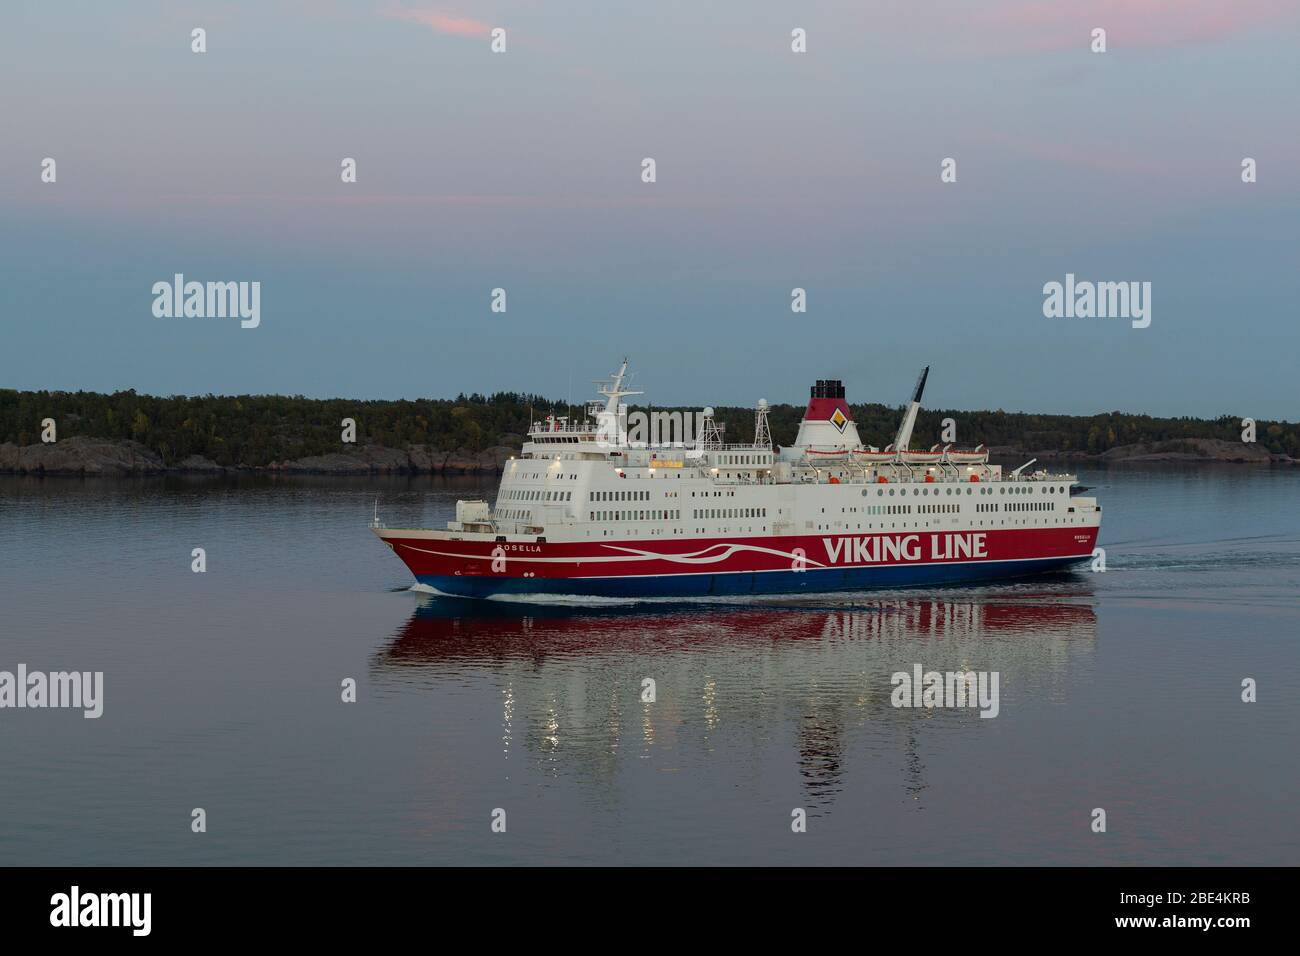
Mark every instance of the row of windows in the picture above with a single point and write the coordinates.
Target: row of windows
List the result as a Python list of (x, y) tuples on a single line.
[(885, 509), (652, 515), (729, 513), (620, 495), (540, 476), (525, 494), (744, 460), (1018, 506), (985, 490), (902, 492), (886, 525)]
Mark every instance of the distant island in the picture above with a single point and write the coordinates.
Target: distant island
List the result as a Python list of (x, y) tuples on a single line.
[(124, 433)]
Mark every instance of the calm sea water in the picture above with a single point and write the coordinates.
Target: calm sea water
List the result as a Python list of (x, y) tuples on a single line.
[(222, 691)]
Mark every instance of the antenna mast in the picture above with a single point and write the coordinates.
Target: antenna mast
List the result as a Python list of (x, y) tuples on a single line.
[(762, 434), (711, 438), (613, 389), (608, 422)]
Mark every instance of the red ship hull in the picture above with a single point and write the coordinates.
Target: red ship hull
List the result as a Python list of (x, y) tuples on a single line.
[(740, 565)]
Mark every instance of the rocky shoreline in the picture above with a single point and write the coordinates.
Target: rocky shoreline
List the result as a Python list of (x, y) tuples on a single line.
[(120, 458), (1174, 450), (105, 457)]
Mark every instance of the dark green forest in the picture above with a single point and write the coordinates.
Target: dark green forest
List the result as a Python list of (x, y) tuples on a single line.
[(255, 430)]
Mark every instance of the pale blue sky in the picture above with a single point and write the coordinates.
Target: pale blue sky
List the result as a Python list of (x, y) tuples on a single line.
[(775, 170)]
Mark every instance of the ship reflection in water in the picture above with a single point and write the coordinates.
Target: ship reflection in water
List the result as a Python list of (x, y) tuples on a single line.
[(809, 678)]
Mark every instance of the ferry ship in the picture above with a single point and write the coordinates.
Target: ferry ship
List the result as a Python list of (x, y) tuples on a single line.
[(588, 510)]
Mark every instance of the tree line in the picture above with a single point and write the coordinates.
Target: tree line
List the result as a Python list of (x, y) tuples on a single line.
[(256, 430)]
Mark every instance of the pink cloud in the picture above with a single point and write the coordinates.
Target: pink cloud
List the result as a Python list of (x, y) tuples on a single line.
[(441, 22)]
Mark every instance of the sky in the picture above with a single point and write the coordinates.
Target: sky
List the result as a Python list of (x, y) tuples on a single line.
[(775, 170)]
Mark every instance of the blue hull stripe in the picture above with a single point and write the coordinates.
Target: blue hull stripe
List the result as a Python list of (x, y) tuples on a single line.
[(812, 581)]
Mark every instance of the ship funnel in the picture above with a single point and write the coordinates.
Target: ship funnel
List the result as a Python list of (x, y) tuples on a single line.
[(827, 424)]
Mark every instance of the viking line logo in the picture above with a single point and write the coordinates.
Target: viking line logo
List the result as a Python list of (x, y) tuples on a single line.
[(876, 549)]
